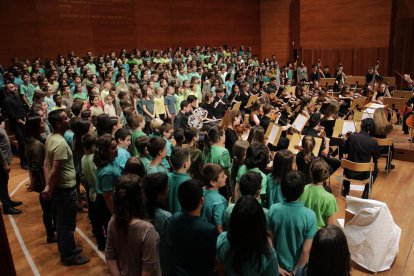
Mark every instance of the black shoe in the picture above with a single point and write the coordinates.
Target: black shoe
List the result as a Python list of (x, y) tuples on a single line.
[(79, 250), (392, 167), (24, 166), (345, 193), (51, 239), (12, 211), (405, 131), (15, 203), (78, 260)]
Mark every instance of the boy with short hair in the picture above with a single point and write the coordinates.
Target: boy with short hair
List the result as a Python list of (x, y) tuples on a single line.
[(180, 160), (181, 120), (292, 225), (214, 178), (193, 240), (249, 185), (123, 138), (137, 125)]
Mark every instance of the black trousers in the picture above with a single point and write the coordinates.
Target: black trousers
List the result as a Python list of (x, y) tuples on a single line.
[(65, 201), (49, 215), (4, 189), (18, 131), (102, 217)]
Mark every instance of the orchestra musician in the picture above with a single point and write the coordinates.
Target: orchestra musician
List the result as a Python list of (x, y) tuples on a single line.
[(326, 72), (409, 112), (220, 103), (361, 147), (370, 74)]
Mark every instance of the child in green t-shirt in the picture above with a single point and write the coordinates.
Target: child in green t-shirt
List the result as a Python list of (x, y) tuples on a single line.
[(181, 161), (214, 177), (157, 150), (316, 198)]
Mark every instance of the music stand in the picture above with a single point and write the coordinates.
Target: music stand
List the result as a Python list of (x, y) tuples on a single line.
[(300, 122), (273, 134), (358, 103), (327, 82), (360, 80), (402, 94), (344, 126), (394, 103), (236, 106), (252, 100), (296, 140)]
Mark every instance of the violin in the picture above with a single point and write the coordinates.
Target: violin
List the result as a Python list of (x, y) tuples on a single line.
[(240, 129)]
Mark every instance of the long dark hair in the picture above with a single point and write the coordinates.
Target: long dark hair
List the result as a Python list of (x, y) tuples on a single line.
[(129, 201), (32, 128), (329, 254), (212, 136), (282, 164), (155, 184), (81, 128), (247, 234), (100, 158)]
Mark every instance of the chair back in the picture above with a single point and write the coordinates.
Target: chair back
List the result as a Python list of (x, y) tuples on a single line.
[(384, 142), (357, 167)]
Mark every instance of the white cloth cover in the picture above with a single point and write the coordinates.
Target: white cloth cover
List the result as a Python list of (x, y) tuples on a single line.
[(373, 237)]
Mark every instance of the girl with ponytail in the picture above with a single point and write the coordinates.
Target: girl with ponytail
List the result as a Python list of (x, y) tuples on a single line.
[(214, 149), (305, 157)]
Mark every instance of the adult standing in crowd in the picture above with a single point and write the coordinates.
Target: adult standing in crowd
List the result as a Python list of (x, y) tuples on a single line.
[(61, 188)]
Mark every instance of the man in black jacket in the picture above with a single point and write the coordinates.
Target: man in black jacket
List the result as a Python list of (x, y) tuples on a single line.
[(17, 118), (361, 147)]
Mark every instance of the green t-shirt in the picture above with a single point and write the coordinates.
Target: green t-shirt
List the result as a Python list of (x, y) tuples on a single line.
[(58, 150), (146, 161), (27, 91), (89, 174), (243, 170), (174, 181), (291, 224), (178, 99), (107, 177), (218, 155), (83, 96), (251, 268), (214, 206), (159, 168), (135, 135), (161, 222), (274, 191), (323, 203)]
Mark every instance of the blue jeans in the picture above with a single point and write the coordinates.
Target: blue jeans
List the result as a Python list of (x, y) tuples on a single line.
[(66, 201)]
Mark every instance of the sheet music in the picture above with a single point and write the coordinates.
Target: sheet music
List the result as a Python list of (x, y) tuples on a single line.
[(376, 105), (273, 134), (348, 127), (300, 122), (368, 113)]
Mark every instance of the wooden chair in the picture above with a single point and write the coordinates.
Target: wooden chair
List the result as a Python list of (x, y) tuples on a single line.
[(357, 167), (386, 142)]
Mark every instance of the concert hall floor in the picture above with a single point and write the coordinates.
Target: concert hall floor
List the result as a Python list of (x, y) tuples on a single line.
[(32, 255)]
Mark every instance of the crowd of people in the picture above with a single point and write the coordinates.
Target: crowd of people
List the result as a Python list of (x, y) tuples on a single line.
[(115, 134)]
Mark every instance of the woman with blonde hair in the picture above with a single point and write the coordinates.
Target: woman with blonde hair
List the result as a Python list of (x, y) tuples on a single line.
[(382, 128)]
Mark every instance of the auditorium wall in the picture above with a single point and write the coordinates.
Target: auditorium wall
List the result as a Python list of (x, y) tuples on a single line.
[(46, 28), (353, 32)]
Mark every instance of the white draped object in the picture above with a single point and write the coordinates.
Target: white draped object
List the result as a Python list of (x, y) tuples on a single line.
[(373, 237)]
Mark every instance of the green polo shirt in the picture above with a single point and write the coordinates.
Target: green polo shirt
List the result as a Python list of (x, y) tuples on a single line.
[(323, 203), (274, 191), (175, 179), (291, 224), (214, 206), (243, 170), (218, 155)]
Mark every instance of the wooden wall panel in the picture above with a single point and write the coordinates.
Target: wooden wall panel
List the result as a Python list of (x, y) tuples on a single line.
[(47, 28), (357, 33), (345, 24), (274, 28)]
